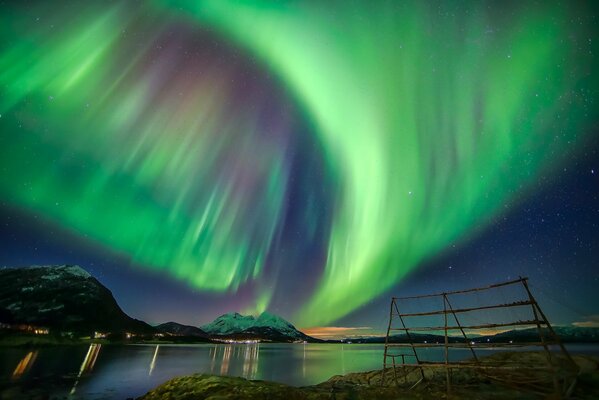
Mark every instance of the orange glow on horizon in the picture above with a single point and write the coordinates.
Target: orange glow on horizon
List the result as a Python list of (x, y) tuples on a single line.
[(340, 332)]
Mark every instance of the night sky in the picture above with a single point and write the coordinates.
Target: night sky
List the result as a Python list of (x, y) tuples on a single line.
[(303, 157)]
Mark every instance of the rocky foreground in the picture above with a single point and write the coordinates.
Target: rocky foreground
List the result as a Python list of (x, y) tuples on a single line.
[(467, 384)]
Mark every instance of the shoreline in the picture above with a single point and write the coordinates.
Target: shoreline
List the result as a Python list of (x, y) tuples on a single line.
[(29, 341), (362, 383), (466, 383)]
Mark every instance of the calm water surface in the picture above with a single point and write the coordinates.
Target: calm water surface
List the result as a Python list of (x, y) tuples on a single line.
[(120, 372)]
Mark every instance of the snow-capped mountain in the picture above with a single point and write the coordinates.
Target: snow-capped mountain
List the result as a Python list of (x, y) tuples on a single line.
[(265, 326)]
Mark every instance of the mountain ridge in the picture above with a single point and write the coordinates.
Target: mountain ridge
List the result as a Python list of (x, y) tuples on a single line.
[(68, 299), (234, 325), (175, 328), (65, 298), (567, 334)]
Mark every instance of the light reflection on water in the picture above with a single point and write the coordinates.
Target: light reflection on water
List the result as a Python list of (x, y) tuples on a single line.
[(153, 363), (88, 364), (23, 365), (106, 372)]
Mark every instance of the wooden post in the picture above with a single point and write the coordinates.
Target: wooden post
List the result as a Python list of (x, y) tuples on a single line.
[(462, 330), (387, 342), (403, 324), (567, 390), (447, 379), (547, 324)]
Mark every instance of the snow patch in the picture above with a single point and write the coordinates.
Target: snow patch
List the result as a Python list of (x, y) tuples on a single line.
[(75, 270), (14, 306), (58, 307), (53, 272)]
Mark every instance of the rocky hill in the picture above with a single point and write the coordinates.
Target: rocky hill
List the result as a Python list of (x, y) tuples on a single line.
[(466, 384), (63, 298), (174, 328)]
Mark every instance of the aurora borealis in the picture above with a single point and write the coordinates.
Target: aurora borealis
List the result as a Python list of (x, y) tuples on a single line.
[(320, 150)]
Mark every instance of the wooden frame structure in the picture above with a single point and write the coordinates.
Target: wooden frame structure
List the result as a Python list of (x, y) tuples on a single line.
[(563, 373)]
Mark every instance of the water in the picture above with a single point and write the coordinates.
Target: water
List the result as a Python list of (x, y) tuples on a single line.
[(119, 372)]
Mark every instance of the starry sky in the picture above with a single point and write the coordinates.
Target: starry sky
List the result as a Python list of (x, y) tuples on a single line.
[(302, 157)]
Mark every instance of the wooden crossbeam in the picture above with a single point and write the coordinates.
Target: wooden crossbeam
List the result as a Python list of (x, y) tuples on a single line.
[(482, 326), (481, 345), (463, 310), (479, 289)]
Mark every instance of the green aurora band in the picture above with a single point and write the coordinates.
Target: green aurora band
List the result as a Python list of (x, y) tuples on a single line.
[(431, 118), (90, 150), (433, 121)]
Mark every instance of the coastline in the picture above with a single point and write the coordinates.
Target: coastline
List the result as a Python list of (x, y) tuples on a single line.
[(466, 383), (207, 369)]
